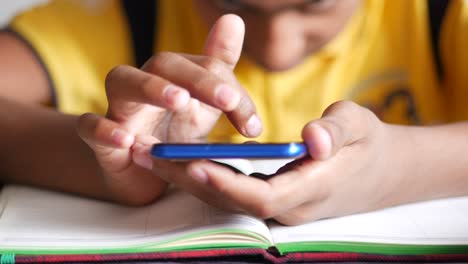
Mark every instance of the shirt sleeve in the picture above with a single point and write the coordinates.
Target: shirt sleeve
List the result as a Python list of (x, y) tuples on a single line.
[(454, 50), (78, 43)]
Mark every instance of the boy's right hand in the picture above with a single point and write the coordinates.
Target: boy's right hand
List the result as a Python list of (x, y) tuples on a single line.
[(173, 98)]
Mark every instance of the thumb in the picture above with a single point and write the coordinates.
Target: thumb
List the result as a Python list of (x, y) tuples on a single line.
[(342, 124), (226, 39)]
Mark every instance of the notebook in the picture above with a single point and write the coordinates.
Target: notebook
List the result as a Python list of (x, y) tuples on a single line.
[(35, 222)]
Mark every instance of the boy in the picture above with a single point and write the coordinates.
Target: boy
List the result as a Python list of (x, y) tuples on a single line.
[(298, 58)]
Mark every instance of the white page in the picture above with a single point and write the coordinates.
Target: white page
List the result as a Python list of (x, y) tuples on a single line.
[(269, 166), (435, 222), (249, 166), (33, 217)]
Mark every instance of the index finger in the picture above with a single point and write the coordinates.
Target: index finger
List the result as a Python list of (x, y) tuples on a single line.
[(225, 43), (226, 39), (244, 115), (128, 88)]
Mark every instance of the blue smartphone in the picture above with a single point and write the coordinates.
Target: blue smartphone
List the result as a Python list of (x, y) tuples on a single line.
[(227, 151)]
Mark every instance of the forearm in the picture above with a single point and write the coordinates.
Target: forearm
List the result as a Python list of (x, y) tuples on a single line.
[(40, 147), (429, 162)]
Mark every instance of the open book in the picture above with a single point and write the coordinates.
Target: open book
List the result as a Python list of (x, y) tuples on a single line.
[(34, 221)]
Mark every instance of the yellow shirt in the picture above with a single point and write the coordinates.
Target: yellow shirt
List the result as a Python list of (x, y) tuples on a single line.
[(383, 59)]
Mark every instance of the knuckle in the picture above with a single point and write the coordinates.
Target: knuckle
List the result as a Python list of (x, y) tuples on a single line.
[(206, 83), (342, 114), (227, 51), (246, 107), (265, 208), (369, 116), (347, 112), (195, 120), (111, 77), (148, 88), (83, 119), (294, 217), (264, 211), (213, 65), (353, 110), (343, 106), (222, 188), (99, 130), (332, 108), (355, 121), (92, 128), (160, 61), (215, 70), (372, 124), (83, 123), (348, 104)]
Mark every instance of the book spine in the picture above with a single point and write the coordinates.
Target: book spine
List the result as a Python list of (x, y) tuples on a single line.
[(7, 258)]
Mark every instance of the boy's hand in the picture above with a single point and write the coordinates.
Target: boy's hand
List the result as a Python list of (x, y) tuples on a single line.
[(349, 172), (173, 98)]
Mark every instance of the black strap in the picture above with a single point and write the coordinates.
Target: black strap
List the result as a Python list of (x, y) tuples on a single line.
[(437, 10), (141, 15)]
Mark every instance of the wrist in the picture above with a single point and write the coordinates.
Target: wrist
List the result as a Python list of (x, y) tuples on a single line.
[(395, 165)]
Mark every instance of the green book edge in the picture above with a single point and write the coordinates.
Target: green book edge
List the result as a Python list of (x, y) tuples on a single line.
[(153, 246), (283, 248), (370, 248)]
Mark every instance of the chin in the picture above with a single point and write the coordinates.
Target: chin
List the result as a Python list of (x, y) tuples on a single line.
[(283, 65)]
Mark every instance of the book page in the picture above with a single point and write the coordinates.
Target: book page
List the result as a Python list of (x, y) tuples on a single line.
[(249, 166), (268, 166), (43, 219), (438, 222)]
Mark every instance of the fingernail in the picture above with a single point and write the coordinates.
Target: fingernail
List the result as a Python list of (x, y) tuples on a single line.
[(176, 97), (199, 175), (226, 97), (142, 157), (121, 137), (253, 126)]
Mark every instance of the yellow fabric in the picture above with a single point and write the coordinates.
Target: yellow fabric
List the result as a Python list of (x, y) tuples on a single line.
[(79, 42), (454, 44), (383, 59)]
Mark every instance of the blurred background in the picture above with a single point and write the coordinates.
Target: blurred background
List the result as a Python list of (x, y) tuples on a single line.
[(10, 8)]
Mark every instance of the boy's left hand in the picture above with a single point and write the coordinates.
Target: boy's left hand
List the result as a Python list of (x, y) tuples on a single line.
[(349, 172)]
